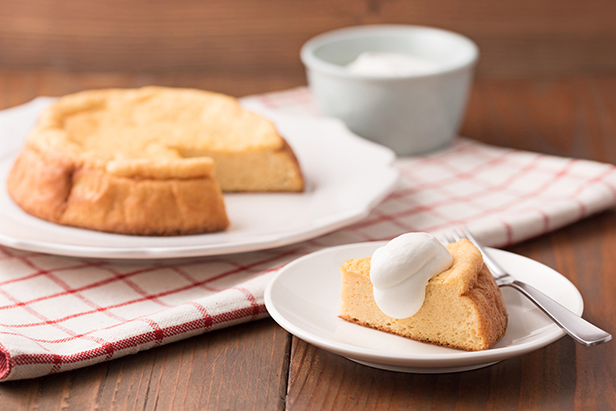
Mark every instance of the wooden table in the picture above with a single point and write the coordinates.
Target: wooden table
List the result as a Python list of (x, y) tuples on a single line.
[(260, 366)]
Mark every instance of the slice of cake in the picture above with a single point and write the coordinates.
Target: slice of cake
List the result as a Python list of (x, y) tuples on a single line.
[(149, 161), (463, 306)]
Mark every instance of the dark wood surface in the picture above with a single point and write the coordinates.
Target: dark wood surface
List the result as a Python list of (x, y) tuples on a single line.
[(522, 37), (259, 366)]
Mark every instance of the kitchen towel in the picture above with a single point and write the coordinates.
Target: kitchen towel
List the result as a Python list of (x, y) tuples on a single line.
[(60, 313)]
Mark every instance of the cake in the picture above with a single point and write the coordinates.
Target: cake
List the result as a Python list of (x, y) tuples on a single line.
[(148, 161), (463, 306)]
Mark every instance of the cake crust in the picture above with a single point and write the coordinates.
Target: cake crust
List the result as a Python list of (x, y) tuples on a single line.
[(63, 192), (149, 161), (464, 307)]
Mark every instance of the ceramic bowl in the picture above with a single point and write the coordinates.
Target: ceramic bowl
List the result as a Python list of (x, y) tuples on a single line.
[(411, 114)]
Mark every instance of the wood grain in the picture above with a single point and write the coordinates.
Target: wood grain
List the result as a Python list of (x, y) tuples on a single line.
[(243, 367), (20, 86), (540, 380), (521, 38), (570, 117)]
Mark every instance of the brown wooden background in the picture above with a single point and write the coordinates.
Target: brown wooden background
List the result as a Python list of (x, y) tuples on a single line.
[(263, 37)]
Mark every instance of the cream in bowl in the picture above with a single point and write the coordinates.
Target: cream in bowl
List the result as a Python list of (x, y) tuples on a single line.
[(378, 64), (403, 86)]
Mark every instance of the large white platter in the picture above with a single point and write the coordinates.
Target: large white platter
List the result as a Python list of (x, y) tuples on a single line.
[(304, 298), (346, 177)]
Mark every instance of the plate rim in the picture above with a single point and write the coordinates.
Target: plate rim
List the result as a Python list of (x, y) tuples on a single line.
[(376, 357)]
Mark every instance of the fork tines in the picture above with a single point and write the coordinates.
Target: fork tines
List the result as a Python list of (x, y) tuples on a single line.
[(447, 237)]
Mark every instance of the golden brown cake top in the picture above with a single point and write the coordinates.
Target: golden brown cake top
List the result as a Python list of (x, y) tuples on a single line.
[(467, 262), (150, 132)]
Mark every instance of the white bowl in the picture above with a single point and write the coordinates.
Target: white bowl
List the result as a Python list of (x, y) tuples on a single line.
[(411, 114)]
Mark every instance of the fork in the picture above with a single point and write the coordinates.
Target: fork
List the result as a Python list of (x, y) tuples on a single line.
[(579, 329)]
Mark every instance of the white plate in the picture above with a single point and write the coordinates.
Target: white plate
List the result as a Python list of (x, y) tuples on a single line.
[(304, 298), (346, 176)]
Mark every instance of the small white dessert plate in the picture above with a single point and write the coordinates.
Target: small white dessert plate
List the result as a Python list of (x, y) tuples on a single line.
[(346, 176), (304, 298)]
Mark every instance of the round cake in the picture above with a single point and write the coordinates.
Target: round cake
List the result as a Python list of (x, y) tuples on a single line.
[(148, 161)]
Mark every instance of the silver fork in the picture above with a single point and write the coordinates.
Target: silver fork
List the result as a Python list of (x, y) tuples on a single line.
[(579, 329)]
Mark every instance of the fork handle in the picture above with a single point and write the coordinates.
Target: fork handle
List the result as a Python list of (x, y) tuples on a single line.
[(578, 328)]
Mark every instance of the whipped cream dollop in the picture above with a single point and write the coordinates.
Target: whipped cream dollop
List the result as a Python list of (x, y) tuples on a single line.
[(390, 65), (401, 269)]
